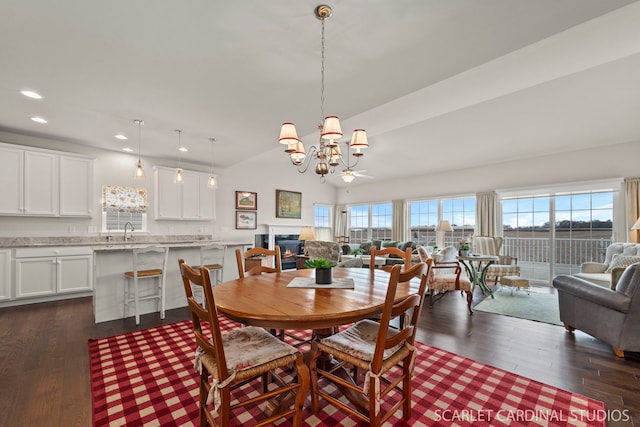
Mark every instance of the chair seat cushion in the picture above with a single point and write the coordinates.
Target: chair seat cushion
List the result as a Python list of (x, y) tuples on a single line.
[(145, 273), (503, 270), (212, 266), (252, 346), (447, 282), (359, 340)]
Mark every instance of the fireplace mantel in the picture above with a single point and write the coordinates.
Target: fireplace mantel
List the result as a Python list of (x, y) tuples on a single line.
[(274, 229)]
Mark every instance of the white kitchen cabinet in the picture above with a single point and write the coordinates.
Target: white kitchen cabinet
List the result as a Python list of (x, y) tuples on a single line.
[(168, 195), (53, 270), (192, 200), (12, 174), (5, 274), (40, 183), (44, 182), (76, 186)]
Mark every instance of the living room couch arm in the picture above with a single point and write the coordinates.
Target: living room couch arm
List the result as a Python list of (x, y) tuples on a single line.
[(593, 267), (590, 292)]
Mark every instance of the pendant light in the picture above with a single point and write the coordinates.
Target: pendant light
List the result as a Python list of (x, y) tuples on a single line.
[(212, 182), (178, 179), (139, 172)]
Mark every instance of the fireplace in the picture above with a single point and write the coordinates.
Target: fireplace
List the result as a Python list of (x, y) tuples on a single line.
[(290, 248)]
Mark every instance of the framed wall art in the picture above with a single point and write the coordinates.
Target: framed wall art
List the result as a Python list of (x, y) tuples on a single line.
[(246, 200), (246, 220), (288, 204)]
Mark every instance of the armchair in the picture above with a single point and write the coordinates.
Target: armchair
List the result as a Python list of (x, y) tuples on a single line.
[(610, 315), (506, 266)]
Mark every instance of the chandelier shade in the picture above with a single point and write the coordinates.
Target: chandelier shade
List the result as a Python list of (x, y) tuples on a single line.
[(331, 129), (326, 154), (288, 134)]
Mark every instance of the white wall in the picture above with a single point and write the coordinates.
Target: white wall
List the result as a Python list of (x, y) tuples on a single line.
[(619, 160)]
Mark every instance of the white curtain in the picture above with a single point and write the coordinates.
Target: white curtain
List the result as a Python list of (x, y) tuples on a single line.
[(487, 215), (632, 187), (340, 223), (398, 227)]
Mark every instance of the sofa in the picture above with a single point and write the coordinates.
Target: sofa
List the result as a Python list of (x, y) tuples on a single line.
[(365, 248), (618, 256), (610, 315)]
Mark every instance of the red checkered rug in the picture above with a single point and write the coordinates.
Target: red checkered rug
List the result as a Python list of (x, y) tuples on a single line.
[(147, 378)]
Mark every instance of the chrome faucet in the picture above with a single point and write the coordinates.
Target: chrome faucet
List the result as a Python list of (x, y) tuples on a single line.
[(125, 231)]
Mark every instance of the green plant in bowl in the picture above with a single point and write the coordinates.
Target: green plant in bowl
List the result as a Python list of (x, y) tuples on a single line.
[(320, 263), (357, 251)]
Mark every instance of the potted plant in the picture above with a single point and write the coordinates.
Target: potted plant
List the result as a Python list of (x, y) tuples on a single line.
[(357, 251), (323, 269), (463, 248)]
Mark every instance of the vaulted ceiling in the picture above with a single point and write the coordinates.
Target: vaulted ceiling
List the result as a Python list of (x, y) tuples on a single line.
[(437, 84)]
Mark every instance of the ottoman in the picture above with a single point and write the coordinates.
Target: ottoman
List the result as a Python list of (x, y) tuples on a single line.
[(516, 282)]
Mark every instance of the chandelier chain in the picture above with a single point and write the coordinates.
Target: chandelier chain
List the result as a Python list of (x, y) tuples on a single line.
[(322, 75)]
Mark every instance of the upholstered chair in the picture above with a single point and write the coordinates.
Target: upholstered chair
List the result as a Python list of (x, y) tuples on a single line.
[(506, 266), (610, 315)]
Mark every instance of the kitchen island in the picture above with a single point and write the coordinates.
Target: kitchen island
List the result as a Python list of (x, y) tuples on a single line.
[(111, 261)]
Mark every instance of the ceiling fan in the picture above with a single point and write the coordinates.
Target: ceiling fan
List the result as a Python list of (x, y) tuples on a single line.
[(349, 175)]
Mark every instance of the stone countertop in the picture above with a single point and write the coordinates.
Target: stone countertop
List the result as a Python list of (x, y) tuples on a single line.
[(101, 244), (112, 247)]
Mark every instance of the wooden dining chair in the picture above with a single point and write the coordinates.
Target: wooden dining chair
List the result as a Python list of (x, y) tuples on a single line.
[(386, 354), (258, 253), (233, 358), (398, 253)]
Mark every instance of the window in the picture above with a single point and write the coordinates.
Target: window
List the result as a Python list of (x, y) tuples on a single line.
[(121, 205), (367, 222), (555, 233), (424, 215), (423, 218), (461, 214), (322, 222), (322, 216)]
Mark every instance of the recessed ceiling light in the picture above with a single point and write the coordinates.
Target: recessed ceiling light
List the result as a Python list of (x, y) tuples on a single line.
[(120, 136), (38, 120), (31, 94), (183, 149), (127, 149)]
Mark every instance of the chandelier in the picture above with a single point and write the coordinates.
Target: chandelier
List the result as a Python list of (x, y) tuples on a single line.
[(327, 153)]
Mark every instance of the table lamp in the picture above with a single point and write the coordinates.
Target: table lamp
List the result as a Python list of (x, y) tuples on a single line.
[(306, 233), (442, 227)]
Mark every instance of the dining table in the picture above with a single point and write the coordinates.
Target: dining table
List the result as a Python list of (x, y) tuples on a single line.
[(269, 301)]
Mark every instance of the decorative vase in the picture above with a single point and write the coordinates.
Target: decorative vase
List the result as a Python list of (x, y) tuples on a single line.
[(323, 276), (464, 252)]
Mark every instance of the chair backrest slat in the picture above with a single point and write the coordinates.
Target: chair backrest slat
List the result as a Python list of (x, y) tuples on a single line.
[(410, 304), (256, 252), (375, 252), (210, 340)]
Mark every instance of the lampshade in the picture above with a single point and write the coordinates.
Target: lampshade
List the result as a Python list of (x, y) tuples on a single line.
[(444, 226), (298, 154), (331, 129), (359, 139), (636, 226), (306, 233), (334, 155), (288, 134)]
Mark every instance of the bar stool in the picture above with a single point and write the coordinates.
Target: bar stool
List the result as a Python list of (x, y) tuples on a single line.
[(212, 258), (148, 263)]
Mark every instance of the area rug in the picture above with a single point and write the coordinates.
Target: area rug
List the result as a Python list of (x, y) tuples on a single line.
[(147, 378), (541, 307)]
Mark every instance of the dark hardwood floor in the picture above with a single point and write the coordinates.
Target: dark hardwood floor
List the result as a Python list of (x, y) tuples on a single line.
[(44, 360)]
